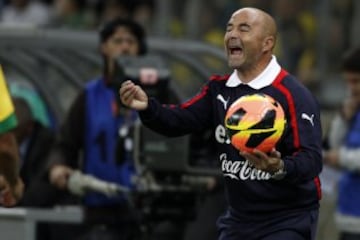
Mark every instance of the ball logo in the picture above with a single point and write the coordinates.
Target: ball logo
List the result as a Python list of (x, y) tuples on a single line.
[(255, 121)]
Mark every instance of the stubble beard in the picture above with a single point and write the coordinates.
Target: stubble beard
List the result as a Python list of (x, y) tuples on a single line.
[(235, 63)]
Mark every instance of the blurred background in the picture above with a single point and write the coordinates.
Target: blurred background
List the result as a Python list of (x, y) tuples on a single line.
[(50, 46), (313, 34)]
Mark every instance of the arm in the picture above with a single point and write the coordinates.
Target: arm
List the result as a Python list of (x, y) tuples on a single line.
[(305, 162), (339, 155), (337, 131), (11, 185), (349, 158), (9, 158), (298, 157), (65, 152), (173, 120)]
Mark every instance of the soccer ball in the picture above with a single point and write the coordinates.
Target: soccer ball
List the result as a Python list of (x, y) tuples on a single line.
[(255, 121)]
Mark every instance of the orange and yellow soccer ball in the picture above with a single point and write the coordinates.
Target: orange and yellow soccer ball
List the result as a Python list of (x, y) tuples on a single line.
[(255, 121)]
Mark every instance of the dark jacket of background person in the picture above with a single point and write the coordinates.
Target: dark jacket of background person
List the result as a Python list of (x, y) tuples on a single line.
[(35, 141)]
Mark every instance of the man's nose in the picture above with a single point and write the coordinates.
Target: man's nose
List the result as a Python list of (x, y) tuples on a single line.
[(234, 34)]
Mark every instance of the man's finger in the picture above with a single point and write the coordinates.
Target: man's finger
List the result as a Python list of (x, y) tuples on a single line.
[(274, 153)]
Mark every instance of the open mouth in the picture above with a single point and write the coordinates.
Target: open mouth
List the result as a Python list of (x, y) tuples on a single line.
[(235, 50)]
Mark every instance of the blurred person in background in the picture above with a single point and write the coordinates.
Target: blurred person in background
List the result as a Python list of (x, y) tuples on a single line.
[(11, 185), (35, 141), (344, 152), (95, 138), (25, 13)]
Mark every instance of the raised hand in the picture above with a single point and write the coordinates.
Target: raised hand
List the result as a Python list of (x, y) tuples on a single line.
[(133, 96)]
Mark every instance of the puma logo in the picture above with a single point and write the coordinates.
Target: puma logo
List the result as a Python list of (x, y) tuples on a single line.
[(309, 118), (221, 99)]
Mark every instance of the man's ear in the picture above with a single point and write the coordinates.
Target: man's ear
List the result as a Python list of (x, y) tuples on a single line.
[(268, 43)]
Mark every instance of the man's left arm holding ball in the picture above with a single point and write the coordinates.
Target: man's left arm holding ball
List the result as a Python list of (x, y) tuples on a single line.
[(303, 161)]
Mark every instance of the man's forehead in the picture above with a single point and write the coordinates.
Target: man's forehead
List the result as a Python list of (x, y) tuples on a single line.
[(248, 15)]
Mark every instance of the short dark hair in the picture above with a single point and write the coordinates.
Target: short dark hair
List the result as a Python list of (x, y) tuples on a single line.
[(351, 60), (108, 29)]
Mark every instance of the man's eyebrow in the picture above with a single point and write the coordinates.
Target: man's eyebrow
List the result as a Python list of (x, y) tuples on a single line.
[(240, 25), (244, 25)]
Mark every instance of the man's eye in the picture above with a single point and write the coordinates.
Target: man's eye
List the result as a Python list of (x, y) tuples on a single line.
[(244, 29)]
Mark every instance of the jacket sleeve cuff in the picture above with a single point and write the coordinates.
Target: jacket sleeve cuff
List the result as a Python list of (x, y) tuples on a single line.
[(151, 111), (288, 167)]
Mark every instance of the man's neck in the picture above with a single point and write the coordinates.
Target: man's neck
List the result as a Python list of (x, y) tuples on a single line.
[(248, 74)]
